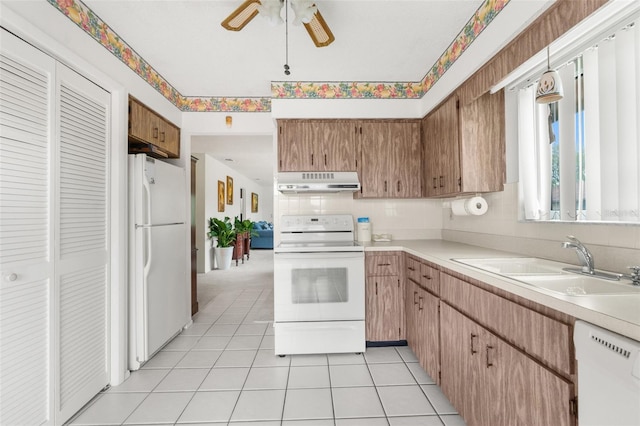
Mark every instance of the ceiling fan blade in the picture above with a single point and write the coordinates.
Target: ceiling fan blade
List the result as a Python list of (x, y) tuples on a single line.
[(242, 15), (319, 30)]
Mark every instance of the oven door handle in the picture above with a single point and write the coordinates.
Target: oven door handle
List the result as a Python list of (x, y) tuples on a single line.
[(320, 255)]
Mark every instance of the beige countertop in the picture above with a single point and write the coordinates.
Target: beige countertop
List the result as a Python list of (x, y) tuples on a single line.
[(618, 313)]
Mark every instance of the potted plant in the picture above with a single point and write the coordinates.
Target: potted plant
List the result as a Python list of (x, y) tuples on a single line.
[(245, 227), (225, 236)]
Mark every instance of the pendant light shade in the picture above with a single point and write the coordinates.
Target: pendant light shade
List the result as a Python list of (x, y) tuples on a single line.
[(549, 87)]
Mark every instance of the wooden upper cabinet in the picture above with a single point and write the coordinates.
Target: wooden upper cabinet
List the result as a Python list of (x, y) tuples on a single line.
[(441, 149), (482, 144), (150, 133), (464, 147), (316, 145), (374, 179), (294, 152), (390, 159), (141, 124), (405, 164), (336, 139)]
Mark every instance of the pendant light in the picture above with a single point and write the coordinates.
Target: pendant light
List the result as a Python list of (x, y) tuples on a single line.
[(549, 87)]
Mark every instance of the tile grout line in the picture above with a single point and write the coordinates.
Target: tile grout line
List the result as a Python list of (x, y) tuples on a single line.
[(212, 366), (333, 406), (384, 410)]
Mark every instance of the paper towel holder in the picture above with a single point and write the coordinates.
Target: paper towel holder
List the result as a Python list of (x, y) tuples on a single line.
[(475, 205)]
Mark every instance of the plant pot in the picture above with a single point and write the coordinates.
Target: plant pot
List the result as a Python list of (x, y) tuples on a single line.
[(223, 257), (238, 248), (247, 243)]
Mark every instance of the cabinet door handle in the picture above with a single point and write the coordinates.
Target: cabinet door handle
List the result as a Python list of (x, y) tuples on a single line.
[(385, 186), (426, 276), (155, 133), (384, 264), (420, 299), (312, 159), (441, 183), (489, 364), (161, 136), (376, 288), (415, 293), (434, 183), (473, 350), (325, 159), (411, 268), (398, 186)]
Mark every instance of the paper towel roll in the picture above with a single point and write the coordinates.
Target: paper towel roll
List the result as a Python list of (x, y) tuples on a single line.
[(474, 206)]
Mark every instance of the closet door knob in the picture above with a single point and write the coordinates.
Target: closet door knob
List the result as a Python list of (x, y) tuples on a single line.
[(11, 277)]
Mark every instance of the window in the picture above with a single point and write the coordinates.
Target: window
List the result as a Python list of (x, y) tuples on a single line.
[(580, 156)]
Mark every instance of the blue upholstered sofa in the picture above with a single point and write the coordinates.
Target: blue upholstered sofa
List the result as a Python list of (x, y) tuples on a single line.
[(264, 239)]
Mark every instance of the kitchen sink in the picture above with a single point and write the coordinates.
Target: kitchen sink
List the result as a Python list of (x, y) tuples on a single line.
[(551, 276), (514, 266), (580, 285)]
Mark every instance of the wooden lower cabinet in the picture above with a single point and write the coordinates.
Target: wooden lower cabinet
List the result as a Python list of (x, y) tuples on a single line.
[(383, 308), (423, 327), (384, 289), (492, 383)]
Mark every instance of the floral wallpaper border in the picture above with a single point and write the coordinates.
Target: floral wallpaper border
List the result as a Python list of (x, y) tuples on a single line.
[(403, 90), (88, 21)]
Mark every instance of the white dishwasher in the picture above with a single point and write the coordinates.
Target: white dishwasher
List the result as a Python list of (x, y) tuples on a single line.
[(608, 377)]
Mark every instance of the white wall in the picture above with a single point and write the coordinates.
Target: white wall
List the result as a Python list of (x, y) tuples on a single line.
[(59, 28), (208, 172)]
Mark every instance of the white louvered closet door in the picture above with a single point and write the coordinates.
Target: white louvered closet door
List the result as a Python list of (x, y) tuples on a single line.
[(81, 271), (54, 228), (26, 233)]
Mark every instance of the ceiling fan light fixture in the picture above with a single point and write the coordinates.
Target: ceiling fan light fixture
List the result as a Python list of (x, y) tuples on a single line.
[(304, 10), (271, 9), (307, 13)]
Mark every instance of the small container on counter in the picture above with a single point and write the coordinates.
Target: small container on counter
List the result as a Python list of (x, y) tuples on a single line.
[(364, 229)]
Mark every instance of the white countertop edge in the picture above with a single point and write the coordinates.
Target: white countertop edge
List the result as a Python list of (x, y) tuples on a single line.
[(618, 313)]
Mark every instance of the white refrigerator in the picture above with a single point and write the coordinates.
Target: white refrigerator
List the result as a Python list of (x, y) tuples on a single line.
[(159, 287)]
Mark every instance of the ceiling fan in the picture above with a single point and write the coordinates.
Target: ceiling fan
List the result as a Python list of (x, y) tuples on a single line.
[(306, 12)]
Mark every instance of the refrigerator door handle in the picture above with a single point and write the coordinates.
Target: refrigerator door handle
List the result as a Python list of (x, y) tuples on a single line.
[(147, 195), (146, 232), (146, 235)]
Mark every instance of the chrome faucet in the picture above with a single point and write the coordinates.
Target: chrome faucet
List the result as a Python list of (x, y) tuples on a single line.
[(585, 256), (634, 276)]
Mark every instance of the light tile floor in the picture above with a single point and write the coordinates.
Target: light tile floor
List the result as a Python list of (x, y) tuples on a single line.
[(222, 371)]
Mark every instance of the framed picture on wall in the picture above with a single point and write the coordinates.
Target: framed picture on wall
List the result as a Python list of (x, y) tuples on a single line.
[(254, 202), (220, 196), (229, 190)]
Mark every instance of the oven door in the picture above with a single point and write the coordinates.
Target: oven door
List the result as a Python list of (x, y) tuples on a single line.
[(319, 286)]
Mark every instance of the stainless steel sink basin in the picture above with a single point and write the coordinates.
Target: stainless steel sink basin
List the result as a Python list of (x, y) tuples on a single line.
[(551, 276)]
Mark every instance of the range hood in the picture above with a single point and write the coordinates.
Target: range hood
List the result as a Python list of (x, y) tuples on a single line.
[(317, 182)]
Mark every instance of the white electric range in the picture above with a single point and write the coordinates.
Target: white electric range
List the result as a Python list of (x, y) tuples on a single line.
[(319, 303)]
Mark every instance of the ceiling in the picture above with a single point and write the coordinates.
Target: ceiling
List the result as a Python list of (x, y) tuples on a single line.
[(375, 41)]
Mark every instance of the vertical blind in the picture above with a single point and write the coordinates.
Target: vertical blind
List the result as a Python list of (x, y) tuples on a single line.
[(579, 157)]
